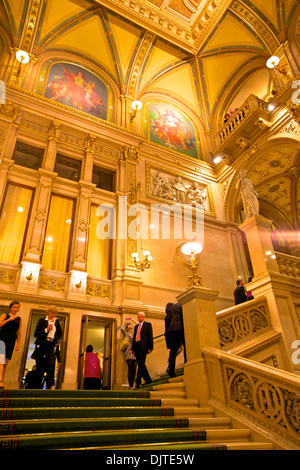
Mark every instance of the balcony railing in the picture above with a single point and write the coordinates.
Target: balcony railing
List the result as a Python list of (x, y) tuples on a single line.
[(288, 265), (242, 115)]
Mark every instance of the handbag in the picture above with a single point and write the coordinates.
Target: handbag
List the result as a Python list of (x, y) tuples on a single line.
[(124, 344)]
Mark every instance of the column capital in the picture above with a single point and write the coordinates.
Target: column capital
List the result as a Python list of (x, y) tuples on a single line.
[(255, 221), (202, 293)]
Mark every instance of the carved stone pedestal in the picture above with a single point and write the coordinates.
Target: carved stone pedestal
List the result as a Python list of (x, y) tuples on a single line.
[(200, 329)]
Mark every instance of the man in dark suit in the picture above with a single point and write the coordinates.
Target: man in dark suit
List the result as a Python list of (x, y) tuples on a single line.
[(48, 332), (175, 335), (142, 344), (240, 295)]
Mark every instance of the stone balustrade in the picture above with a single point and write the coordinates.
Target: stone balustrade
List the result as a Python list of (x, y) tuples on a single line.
[(257, 393), (243, 322), (288, 265)]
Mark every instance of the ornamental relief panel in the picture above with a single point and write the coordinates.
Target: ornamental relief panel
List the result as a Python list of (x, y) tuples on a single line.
[(276, 404), (173, 187)]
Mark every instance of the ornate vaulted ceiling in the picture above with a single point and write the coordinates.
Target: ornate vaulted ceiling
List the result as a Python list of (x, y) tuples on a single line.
[(204, 55)]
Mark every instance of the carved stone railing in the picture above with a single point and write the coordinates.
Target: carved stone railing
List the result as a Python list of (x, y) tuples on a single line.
[(288, 265), (265, 397), (242, 114), (243, 322)]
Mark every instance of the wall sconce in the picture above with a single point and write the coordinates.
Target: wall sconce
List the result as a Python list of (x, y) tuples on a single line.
[(273, 63), (136, 106), (78, 284), (29, 277), (142, 264), (22, 57), (191, 249)]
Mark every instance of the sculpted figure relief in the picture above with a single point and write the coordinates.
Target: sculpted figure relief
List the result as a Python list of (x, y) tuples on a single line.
[(248, 194), (174, 189)]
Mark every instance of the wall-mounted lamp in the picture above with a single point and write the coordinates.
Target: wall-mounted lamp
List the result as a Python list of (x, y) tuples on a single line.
[(142, 264), (22, 57), (217, 159), (192, 250), (136, 106), (273, 63)]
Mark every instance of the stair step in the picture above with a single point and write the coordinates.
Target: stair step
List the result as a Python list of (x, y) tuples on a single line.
[(193, 411), (168, 393), (67, 440), (169, 386), (227, 435), (14, 414), (249, 446), (14, 428), (204, 423), (183, 402)]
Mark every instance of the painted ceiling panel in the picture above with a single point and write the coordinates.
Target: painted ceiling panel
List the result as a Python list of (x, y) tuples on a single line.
[(231, 32), (126, 37), (159, 59), (218, 70), (277, 161), (16, 8), (89, 40), (57, 13), (178, 82), (277, 193)]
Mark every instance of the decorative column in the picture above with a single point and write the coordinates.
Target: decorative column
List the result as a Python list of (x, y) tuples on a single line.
[(78, 265), (200, 330), (31, 263), (258, 234), (51, 151), (127, 279)]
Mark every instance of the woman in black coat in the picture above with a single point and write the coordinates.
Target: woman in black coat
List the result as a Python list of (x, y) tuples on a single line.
[(48, 332)]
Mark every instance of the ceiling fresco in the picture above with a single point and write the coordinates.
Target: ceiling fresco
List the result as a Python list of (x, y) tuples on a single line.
[(200, 56)]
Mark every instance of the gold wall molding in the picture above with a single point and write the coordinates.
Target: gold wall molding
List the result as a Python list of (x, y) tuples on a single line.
[(54, 284), (94, 289), (8, 276)]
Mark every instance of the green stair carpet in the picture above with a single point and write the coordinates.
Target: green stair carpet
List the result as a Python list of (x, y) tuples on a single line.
[(84, 419)]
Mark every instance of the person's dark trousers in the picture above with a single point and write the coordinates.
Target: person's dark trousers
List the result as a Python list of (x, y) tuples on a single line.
[(131, 363), (91, 383), (175, 338), (142, 372), (43, 362)]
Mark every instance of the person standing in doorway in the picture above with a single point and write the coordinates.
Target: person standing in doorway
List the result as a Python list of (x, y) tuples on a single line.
[(48, 331), (92, 370), (142, 344)]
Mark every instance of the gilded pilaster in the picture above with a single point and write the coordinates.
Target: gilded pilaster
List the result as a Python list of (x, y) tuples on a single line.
[(36, 230)]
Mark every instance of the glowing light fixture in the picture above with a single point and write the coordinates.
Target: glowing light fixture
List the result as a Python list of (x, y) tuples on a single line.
[(144, 263), (217, 160), (272, 62), (22, 57), (191, 249), (136, 106)]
